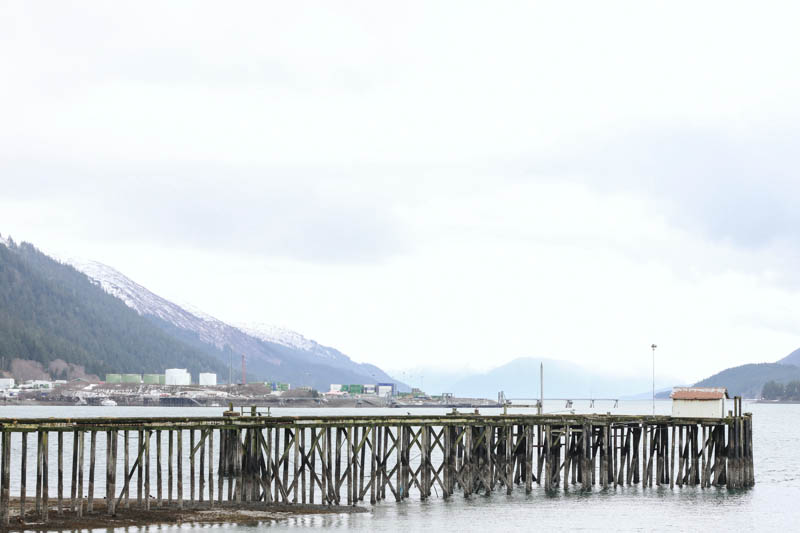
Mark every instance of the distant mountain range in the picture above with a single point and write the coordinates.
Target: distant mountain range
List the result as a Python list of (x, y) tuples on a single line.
[(140, 319), (562, 379)]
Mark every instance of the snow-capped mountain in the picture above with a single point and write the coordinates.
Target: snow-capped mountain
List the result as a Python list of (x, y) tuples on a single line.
[(209, 329), (290, 339), (271, 352)]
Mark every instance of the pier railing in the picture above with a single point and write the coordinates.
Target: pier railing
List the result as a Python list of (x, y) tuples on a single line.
[(99, 464)]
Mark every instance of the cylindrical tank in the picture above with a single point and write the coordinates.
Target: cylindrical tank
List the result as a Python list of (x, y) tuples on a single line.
[(207, 379), (178, 376), (151, 379), (113, 378), (131, 378)]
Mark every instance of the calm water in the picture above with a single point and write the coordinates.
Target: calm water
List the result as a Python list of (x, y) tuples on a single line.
[(773, 504)]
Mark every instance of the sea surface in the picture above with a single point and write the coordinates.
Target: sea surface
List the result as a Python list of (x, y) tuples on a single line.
[(772, 505)]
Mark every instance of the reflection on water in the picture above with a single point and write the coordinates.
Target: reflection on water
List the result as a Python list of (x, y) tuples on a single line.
[(771, 505)]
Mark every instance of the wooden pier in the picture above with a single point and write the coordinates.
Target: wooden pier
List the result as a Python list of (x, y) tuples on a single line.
[(155, 463)]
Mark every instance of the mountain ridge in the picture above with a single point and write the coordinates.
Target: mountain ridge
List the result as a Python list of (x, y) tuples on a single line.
[(271, 352), (50, 312)]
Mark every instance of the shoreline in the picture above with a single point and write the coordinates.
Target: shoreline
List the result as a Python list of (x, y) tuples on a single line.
[(192, 513), (303, 403)]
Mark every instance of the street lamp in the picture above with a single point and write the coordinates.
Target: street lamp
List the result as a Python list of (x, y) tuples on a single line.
[(653, 347)]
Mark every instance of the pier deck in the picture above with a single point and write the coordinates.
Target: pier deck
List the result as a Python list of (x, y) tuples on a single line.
[(156, 463)]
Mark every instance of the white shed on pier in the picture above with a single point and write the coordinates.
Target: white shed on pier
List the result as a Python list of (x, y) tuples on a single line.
[(699, 402)]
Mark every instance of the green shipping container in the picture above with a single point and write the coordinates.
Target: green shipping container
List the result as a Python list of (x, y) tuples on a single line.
[(131, 378), (356, 389), (151, 379), (113, 378)]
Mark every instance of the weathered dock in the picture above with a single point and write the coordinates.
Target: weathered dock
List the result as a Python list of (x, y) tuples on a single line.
[(156, 463)]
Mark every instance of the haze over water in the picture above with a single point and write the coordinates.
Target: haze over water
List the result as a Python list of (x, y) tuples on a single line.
[(770, 505)]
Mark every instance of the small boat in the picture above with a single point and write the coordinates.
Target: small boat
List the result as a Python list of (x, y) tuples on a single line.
[(108, 402)]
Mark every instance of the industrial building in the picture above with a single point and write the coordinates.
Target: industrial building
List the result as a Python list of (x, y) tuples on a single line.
[(381, 389), (386, 389)]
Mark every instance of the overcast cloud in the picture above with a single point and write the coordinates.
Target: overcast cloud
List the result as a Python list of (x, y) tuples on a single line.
[(433, 183)]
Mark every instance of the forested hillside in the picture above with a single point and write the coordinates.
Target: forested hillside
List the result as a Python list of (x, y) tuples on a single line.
[(748, 380), (782, 392), (51, 311)]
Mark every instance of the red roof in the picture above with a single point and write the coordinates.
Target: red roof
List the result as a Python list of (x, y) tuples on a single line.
[(699, 393)]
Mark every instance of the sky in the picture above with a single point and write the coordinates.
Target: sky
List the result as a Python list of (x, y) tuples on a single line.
[(446, 185)]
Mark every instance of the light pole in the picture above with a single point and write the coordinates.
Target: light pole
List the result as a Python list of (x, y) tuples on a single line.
[(653, 347)]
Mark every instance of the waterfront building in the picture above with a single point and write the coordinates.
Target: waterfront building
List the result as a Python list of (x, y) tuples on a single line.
[(699, 402)]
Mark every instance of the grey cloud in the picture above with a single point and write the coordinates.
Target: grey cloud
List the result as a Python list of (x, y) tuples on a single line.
[(740, 189), (270, 212)]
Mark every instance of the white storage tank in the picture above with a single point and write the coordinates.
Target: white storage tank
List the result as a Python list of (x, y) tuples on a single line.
[(6, 383), (208, 379), (177, 376)]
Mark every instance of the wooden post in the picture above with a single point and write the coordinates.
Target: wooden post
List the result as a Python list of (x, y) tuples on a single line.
[(111, 472), (286, 449), (221, 464), (548, 467), (312, 475), (179, 472), (191, 465), (672, 461), (60, 488), (39, 466), (509, 459), (73, 495), (361, 464), (380, 473), (79, 490), (349, 471), (147, 470), (5, 479), (140, 469), (211, 468), (586, 460), (528, 458), (23, 475), (170, 453), (373, 478), (92, 455), (202, 467), (126, 502), (45, 477), (296, 475), (303, 463), (159, 482)]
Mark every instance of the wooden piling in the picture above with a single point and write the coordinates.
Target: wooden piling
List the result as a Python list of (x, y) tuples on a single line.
[(92, 454), (60, 477), (23, 474), (179, 467), (5, 479), (159, 482)]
